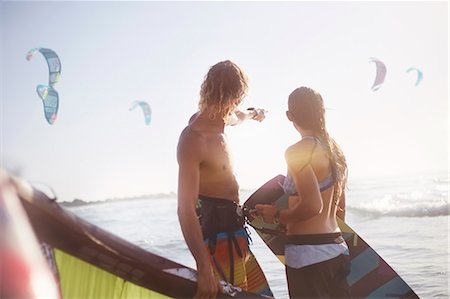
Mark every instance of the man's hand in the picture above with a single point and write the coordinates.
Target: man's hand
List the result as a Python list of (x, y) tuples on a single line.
[(238, 116), (258, 114), (207, 284)]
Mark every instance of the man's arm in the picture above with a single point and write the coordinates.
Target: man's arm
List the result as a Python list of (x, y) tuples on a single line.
[(188, 187), (240, 116)]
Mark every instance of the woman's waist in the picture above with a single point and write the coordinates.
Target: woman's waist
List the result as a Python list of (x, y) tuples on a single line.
[(314, 225), (315, 239)]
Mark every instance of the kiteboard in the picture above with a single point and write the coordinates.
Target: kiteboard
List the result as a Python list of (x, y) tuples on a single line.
[(370, 276), (93, 263)]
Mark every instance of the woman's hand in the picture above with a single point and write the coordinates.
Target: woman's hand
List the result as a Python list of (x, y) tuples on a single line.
[(267, 212)]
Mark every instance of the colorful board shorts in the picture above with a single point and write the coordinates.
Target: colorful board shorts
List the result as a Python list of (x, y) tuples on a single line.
[(235, 263), (222, 222)]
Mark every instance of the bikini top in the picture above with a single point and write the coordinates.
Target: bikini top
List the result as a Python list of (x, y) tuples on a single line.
[(289, 184)]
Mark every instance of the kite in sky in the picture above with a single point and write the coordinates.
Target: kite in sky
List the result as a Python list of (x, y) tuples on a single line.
[(419, 74), (145, 109), (380, 73), (47, 93), (50, 99), (53, 62)]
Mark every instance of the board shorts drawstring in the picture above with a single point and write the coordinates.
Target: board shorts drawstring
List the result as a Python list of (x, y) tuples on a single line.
[(231, 242), (248, 233)]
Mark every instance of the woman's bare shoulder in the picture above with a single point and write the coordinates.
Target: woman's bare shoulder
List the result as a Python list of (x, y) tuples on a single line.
[(302, 148), (300, 153)]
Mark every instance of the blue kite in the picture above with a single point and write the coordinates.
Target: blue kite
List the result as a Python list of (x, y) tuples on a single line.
[(47, 93), (53, 62), (419, 74), (50, 99), (145, 109)]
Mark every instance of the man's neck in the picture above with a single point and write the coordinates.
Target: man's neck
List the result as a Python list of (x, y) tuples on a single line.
[(216, 124)]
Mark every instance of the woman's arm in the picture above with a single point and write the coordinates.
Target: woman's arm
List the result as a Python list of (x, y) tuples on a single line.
[(298, 159), (311, 204), (341, 207)]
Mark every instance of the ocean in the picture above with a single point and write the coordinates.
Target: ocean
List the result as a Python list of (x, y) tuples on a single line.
[(405, 219)]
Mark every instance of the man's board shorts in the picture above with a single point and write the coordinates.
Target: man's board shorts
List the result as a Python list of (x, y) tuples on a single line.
[(226, 239)]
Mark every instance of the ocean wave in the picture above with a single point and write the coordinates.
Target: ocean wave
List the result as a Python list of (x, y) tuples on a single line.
[(432, 209), (377, 183), (442, 180), (79, 202), (419, 198)]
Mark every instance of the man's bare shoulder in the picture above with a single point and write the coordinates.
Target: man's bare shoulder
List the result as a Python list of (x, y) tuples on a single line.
[(190, 143), (190, 135)]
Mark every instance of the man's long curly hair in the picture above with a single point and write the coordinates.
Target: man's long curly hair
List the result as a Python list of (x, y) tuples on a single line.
[(308, 112), (223, 89)]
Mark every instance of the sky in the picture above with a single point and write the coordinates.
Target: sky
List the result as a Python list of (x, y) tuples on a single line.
[(114, 53)]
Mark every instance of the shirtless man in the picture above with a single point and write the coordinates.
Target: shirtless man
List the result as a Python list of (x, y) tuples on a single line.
[(207, 185)]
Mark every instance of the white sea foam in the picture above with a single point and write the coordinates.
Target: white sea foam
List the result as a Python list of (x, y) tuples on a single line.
[(400, 197), (392, 209)]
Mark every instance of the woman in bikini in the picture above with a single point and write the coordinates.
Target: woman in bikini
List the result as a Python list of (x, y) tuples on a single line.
[(316, 255)]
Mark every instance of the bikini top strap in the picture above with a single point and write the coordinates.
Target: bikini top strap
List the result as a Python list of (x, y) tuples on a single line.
[(316, 139), (312, 152), (309, 137)]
